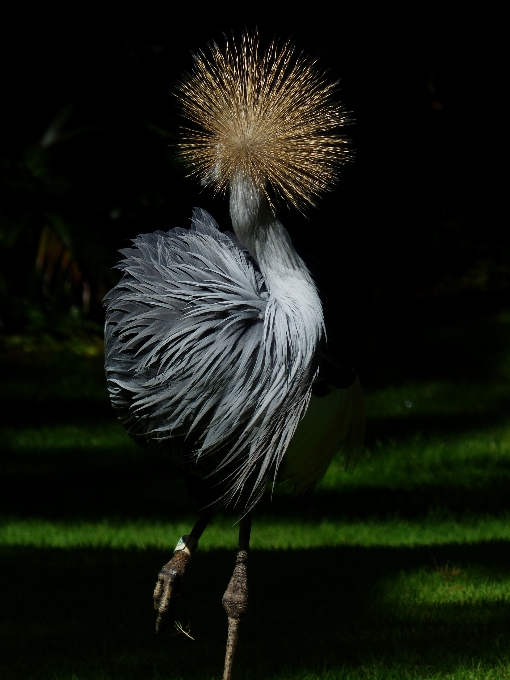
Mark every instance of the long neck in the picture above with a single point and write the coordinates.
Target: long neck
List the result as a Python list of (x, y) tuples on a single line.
[(286, 275)]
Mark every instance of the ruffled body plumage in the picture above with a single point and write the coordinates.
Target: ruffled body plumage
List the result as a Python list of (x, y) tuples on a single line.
[(202, 363)]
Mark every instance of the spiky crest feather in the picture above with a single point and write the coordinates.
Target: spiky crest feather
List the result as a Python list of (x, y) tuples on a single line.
[(266, 117)]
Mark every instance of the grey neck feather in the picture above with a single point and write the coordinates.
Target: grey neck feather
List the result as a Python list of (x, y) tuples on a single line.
[(287, 277), (263, 234)]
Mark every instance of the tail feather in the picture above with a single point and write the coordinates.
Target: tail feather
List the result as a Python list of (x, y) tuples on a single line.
[(331, 423)]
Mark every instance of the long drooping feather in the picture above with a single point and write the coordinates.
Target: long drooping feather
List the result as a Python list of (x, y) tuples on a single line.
[(195, 347)]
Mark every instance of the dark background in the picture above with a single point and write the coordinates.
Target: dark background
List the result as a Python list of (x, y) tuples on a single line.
[(419, 253), (88, 161)]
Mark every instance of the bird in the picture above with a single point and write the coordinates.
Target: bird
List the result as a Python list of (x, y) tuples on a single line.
[(217, 351)]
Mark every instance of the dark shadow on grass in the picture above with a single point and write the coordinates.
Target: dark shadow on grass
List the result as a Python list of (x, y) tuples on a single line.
[(56, 388), (136, 492), (89, 612), (80, 485), (129, 483), (19, 412), (386, 504)]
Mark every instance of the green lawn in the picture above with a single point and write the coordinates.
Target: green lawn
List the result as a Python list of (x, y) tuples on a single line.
[(397, 569)]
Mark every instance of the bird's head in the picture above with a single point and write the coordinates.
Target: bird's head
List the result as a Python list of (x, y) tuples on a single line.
[(266, 125)]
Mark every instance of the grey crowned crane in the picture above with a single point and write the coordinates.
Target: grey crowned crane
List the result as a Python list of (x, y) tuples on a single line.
[(216, 346)]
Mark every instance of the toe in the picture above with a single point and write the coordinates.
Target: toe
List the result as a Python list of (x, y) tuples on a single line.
[(167, 588)]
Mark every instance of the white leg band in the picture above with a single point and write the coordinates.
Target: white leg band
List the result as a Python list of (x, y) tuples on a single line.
[(186, 543)]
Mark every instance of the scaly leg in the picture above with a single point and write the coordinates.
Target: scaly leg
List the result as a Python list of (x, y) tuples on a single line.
[(171, 576), (235, 599)]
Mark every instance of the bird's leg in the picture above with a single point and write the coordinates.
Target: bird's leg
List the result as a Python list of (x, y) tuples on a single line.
[(235, 599), (171, 576)]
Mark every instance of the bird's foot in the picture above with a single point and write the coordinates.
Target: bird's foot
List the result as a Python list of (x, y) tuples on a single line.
[(170, 580), (235, 603), (235, 599)]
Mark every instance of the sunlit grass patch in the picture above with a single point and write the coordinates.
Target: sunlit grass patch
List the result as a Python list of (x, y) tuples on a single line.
[(268, 532), (445, 582), (468, 459)]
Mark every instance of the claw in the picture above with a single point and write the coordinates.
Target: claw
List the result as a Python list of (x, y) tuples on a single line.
[(171, 576), (167, 590)]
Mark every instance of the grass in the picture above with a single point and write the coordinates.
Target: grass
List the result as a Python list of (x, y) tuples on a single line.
[(399, 569)]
